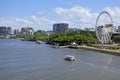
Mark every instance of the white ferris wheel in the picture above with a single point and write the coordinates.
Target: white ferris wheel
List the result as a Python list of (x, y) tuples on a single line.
[(102, 32)]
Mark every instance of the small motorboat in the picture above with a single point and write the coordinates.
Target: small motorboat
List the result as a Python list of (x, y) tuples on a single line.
[(69, 58), (39, 42)]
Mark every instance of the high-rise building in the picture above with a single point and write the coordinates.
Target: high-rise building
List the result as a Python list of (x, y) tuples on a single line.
[(60, 27), (16, 31), (2, 30), (27, 31), (9, 30), (5, 30), (118, 28)]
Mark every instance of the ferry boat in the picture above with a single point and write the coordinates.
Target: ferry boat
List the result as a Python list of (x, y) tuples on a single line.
[(69, 58)]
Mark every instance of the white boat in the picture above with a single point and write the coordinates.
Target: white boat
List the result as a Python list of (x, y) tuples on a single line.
[(69, 58)]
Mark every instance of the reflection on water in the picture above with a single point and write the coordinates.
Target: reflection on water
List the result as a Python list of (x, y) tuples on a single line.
[(23, 60)]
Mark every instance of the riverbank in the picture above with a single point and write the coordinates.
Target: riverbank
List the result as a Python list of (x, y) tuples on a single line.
[(110, 49), (113, 52)]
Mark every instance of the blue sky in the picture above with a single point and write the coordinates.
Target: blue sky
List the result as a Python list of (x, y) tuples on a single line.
[(41, 12)]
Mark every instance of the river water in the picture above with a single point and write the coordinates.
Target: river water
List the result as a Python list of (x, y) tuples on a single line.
[(24, 60)]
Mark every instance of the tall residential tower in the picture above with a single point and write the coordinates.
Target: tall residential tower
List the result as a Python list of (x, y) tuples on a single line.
[(60, 27)]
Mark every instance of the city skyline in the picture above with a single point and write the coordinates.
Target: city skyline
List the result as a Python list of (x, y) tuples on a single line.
[(41, 15)]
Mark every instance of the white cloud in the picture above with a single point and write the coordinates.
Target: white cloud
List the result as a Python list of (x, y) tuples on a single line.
[(115, 13), (77, 17), (41, 12), (81, 17), (32, 21)]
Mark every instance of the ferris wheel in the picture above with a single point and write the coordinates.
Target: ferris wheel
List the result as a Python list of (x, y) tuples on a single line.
[(102, 31)]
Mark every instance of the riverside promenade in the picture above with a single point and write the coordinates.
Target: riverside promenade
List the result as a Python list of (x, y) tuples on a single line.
[(109, 51)]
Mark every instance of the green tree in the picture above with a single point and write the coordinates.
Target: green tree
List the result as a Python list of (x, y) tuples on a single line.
[(84, 37), (116, 39)]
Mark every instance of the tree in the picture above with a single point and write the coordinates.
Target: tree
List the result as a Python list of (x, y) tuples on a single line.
[(84, 37), (116, 39)]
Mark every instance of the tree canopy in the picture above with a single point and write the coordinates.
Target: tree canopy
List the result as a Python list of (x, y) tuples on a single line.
[(116, 39), (83, 37)]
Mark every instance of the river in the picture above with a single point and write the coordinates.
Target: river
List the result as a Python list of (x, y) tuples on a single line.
[(25, 60)]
